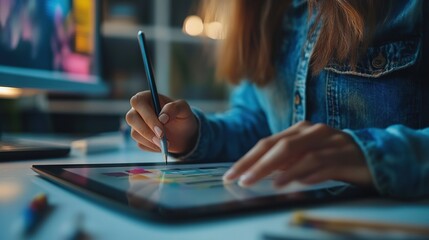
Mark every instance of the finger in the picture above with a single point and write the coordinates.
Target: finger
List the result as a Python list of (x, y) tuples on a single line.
[(358, 176), (145, 148), (317, 177), (238, 192), (285, 152), (143, 141), (268, 163), (259, 150), (142, 103), (350, 169), (137, 124), (310, 164), (179, 109), (248, 159)]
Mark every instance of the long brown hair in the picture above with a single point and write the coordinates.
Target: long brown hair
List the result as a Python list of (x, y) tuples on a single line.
[(253, 28)]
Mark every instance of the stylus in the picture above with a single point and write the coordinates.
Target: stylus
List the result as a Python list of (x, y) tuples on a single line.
[(152, 86)]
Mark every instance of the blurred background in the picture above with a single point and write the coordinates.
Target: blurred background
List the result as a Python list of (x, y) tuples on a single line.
[(102, 36)]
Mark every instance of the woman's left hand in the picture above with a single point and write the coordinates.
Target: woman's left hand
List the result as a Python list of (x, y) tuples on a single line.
[(309, 153)]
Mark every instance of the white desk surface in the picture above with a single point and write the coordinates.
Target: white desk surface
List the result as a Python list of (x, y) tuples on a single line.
[(19, 184)]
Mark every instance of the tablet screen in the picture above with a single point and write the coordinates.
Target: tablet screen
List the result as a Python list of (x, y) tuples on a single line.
[(180, 187)]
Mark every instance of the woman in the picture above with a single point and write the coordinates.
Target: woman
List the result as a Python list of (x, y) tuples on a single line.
[(332, 89)]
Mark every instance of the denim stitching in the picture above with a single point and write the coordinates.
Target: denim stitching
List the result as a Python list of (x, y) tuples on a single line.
[(399, 55), (367, 74)]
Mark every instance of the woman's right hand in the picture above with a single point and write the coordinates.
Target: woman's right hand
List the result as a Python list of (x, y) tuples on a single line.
[(176, 120)]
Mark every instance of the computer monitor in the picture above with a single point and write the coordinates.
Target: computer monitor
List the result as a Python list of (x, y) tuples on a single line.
[(50, 45)]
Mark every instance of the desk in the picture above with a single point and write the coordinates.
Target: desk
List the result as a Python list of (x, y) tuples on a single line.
[(19, 184)]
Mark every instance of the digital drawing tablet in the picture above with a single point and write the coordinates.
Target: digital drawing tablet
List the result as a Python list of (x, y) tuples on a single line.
[(180, 191)]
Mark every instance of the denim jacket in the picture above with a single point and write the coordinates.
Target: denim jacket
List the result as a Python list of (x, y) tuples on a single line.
[(383, 103)]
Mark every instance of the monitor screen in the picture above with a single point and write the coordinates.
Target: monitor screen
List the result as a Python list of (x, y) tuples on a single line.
[(50, 45)]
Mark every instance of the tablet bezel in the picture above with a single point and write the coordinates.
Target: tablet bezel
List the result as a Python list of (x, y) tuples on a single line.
[(101, 192)]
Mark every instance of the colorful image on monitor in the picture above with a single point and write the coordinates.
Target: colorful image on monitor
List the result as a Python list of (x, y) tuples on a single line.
[(51, 35)]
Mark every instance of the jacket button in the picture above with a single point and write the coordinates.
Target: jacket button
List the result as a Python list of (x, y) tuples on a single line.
[(379, 61), (297, 99)]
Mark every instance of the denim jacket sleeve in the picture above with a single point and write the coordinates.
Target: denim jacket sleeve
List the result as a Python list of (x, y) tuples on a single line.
[(398, 158), (227, 136)]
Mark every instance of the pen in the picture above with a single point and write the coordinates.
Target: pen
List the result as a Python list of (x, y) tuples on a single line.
[(152, 86), (351, 226)]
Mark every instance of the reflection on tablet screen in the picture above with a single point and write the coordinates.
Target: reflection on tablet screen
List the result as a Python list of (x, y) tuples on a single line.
[(185, 185)]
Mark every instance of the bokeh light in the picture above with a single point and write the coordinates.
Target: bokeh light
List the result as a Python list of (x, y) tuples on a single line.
[(214, 30), (9, 191), (193, 25), (8, 92)]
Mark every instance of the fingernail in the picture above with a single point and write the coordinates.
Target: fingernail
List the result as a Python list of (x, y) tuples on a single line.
[(158, 131), (156, 141), (228, 176), (245, 180), (163, 118)]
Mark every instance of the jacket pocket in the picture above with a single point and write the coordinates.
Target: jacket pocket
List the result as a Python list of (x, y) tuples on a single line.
[(382, 60), (383, 89)]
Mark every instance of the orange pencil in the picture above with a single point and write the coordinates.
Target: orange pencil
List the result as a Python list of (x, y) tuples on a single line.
[(352, 226)]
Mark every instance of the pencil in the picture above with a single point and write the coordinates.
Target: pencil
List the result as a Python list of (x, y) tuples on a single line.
[(351, 226), (152, 86)]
